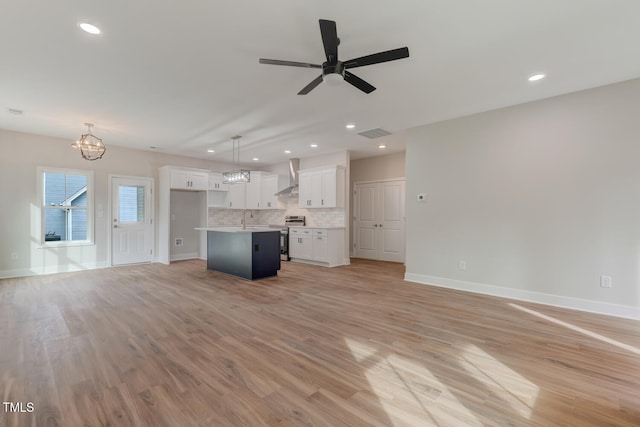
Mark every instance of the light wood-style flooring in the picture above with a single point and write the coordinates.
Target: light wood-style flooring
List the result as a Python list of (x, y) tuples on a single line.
[(178, 345)]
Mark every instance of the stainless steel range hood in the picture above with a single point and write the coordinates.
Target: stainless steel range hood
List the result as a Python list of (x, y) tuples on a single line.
[(292, 189)]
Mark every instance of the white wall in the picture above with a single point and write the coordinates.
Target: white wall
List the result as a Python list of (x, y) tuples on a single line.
[(20, 154), (378, 168), (540, 200)]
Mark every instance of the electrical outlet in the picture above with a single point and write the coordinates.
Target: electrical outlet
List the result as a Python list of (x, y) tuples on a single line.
[(606, 281), (179, 241), (462, 265), (421, 197)]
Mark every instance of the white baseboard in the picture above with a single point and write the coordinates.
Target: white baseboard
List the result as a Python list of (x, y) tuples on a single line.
[(617, 310), (52, 269), (183, 257)]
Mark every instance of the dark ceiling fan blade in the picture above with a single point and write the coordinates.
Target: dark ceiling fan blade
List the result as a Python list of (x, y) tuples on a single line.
[(358, 82), (289, 63), (329, 40), (376, 58), (305, 90)]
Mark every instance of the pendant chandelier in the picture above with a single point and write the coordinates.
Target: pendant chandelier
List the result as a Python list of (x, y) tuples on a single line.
[(236, 175), (90, 146)]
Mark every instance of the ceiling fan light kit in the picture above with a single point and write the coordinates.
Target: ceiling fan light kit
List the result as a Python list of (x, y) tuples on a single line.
[(335, 71)]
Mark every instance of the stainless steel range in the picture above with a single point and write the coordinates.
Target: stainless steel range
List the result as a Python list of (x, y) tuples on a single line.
[(289, 220)]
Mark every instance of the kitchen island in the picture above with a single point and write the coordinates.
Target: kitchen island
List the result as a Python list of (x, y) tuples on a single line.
[(250, 253)]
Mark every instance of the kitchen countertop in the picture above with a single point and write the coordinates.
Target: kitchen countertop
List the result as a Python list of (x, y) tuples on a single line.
[(317, 226), (238, 229)]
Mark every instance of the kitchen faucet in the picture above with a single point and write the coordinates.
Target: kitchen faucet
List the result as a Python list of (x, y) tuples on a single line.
[(244, 218)]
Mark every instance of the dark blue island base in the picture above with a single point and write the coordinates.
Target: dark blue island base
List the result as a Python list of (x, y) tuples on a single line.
[(245, 253)]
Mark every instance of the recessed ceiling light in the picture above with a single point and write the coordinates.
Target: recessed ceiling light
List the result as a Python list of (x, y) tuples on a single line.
[(255, 159), (91, 29), (536, 77), (313, 145), (287, 151), (350, 126), (382, 146), (211, 151)]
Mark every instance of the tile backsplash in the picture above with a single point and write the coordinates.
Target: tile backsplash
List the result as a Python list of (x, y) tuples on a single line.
[(330, 217)]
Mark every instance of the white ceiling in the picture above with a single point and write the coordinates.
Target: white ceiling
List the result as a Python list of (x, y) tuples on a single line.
[(184, 76)]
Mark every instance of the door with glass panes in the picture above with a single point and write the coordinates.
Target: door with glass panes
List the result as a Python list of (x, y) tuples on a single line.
[(131, 220)]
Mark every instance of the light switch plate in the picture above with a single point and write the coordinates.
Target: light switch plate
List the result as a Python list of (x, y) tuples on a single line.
[(421, 198)]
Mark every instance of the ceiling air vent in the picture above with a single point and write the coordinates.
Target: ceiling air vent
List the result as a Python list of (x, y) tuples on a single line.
[(374, 133)]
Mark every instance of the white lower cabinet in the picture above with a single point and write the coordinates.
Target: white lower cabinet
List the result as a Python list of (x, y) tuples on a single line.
[(300, 243), (320, 246)]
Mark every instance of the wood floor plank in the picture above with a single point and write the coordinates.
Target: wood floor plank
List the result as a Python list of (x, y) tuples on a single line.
[(180, 345)]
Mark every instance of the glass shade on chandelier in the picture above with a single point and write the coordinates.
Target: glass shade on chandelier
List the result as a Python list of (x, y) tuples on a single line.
[(90, 146), (237, 175)]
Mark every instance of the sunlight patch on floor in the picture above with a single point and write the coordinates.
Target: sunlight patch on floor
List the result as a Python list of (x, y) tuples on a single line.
[(502, 382), (397, 381), (578, 329)]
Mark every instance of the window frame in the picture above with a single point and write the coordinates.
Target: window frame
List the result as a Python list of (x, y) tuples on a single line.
[(42, 209)]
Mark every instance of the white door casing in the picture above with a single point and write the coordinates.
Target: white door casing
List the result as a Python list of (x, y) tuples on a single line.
[(131, 220), (379, 220)]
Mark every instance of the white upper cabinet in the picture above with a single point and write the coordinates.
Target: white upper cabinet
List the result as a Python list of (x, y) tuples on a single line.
[(305, 192), (189, 179), (254, 191), (261, 190), (321, 187), (236, 196), (215, 182), (271, 184), (258, 193)]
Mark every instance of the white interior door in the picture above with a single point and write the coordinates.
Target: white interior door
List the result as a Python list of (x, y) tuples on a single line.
[(391, 221), (366, 233), (379, 221), (131, 221)]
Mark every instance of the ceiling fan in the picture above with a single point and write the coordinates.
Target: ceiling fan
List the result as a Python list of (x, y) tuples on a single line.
[(333, 70)]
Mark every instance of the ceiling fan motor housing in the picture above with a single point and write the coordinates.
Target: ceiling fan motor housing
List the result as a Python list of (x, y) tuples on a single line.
[(333, 73)]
